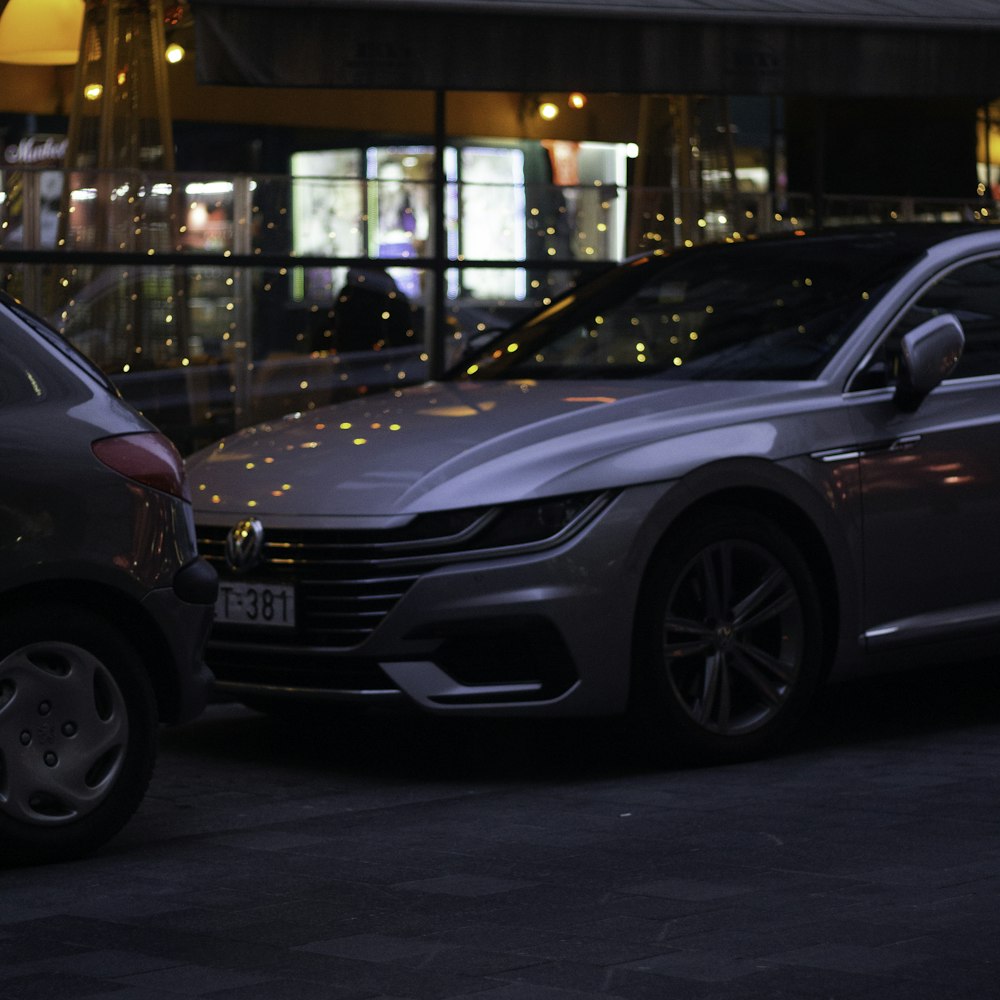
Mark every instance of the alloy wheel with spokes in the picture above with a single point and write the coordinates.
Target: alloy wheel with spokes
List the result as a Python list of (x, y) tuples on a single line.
[(732, 637), (729, 637)]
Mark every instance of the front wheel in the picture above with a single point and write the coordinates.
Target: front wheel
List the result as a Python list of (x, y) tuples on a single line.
[(77, 733), (729, 644)]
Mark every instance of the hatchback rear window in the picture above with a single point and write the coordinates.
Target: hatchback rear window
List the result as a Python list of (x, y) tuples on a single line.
[(29, 370), (55, 340)]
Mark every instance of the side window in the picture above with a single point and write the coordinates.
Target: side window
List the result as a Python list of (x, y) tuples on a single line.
[(972, 294)]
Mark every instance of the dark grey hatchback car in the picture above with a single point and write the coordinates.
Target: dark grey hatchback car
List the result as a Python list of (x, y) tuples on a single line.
[(104, 604)]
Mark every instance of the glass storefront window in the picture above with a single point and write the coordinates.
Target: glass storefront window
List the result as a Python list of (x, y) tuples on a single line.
[(239, 298), (328, 216), (399, 209), (491, 219)]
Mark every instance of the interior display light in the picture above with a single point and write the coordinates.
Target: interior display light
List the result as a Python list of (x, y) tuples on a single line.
[(548, 110), (577, 100), (174, 53), (210, 187), (93, 91)]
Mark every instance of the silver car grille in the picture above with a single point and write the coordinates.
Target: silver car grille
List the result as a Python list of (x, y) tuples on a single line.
[(345, 582)]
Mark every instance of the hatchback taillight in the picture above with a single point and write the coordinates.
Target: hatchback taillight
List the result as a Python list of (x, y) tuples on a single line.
[(146, 457)]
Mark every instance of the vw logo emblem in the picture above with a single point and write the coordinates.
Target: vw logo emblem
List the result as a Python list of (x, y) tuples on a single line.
[(244, 544)]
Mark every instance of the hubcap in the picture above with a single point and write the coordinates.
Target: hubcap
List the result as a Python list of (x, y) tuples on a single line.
[(63, 733), (733, 637)]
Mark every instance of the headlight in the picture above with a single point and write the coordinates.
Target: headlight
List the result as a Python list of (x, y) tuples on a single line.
[(537, 521), (474, 532)]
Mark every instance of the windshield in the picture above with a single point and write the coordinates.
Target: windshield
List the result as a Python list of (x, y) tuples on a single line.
[(757, 310)]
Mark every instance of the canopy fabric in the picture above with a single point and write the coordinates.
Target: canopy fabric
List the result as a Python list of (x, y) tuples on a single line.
[(834, 48)]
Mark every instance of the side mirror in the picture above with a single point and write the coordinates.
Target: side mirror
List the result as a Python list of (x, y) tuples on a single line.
[(928, 355)]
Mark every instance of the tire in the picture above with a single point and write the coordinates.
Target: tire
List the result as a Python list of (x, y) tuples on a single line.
[(729, 640), (78, 733)]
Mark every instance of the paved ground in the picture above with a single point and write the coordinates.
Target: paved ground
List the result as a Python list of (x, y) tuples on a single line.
[(423, 860)]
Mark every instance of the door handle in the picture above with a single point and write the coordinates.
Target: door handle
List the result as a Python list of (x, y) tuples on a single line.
[(875, 448)]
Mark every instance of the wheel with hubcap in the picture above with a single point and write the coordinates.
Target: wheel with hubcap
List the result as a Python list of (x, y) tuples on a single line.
[(77, 733), (729, 639)]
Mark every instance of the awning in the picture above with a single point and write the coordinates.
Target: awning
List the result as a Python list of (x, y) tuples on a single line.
[(834, 48)]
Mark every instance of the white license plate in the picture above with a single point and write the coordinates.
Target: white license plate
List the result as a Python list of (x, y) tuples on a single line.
[(255, 604)]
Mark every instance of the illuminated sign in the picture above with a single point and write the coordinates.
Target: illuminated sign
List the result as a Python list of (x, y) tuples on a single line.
[(36, 151)]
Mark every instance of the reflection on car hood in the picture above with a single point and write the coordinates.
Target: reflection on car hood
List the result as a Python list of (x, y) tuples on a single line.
[(458, 444)]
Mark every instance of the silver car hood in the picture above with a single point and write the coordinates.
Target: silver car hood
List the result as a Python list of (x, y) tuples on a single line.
[(458, 444)]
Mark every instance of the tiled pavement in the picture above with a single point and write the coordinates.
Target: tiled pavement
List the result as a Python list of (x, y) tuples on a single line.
[(400, 859)]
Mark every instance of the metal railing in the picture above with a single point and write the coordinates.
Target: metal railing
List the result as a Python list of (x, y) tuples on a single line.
[(217, 301)]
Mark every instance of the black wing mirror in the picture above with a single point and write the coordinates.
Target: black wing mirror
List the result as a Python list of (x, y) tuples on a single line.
[(928, 355)]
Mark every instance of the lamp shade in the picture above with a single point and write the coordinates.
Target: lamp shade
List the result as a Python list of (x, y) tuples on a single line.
[(41, 32)]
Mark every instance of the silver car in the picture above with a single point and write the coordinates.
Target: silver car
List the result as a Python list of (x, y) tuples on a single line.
[(104, 604), (691, 489)]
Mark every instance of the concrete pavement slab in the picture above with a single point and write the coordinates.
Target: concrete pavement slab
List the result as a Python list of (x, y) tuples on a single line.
[(405, 859)]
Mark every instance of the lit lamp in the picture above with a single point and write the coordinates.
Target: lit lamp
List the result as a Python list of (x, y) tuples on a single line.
[(41, 32), (548, 110)]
